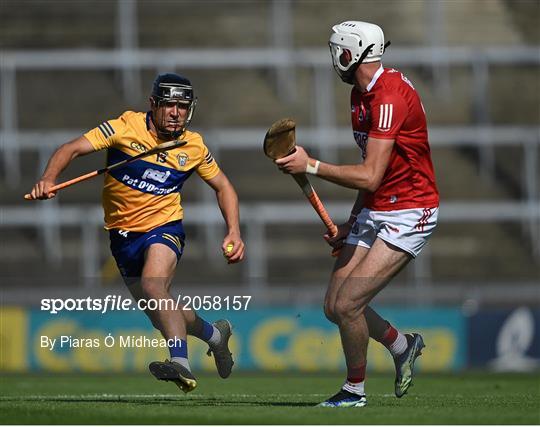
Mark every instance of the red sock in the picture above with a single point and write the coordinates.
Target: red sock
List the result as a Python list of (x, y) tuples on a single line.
[(394, 340), (356, 374), (390, 335)]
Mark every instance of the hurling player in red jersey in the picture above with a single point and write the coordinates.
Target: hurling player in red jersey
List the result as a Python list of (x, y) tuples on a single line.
[(395, 211)]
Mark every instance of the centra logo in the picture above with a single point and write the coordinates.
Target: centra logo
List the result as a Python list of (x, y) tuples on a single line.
[(156, 175)]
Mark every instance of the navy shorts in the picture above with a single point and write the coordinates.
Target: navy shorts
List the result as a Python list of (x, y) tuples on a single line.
[(128, 247)]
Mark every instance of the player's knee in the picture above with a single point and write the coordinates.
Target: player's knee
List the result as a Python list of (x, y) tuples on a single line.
[(343, 310), (329, 312), (152, 288), (347, 311)]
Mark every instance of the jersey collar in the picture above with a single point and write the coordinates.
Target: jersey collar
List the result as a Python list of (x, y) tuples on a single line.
[(375, 78)]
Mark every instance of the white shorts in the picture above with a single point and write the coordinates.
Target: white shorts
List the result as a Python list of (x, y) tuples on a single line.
[(408, 229)]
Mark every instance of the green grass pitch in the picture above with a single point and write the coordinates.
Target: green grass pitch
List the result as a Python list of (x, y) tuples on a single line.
[(258, 398)]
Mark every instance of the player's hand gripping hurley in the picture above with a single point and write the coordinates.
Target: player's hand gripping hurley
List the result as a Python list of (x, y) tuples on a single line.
[(165, 146), (279, 142)]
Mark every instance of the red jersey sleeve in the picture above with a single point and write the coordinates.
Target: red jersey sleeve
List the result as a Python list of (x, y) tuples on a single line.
[(388, 112)]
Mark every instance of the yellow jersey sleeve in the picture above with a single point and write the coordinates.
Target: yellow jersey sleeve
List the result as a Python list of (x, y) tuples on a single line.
[(208, 167), (107, 134)]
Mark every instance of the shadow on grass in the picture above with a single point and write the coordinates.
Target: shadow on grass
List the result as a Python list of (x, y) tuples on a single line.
[(157, 400)]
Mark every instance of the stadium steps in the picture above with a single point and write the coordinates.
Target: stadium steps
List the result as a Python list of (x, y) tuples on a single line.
[(81, 23), (460, 251), (462, 23), (472, 247), (62, 24)]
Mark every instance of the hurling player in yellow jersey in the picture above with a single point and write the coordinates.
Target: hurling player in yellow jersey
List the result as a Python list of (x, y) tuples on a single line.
[(144, 216)]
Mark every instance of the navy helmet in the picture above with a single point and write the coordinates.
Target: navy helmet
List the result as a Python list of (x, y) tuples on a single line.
[(170, 87)]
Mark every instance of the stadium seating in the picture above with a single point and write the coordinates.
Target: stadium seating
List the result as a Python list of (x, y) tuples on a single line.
[(248, 98)]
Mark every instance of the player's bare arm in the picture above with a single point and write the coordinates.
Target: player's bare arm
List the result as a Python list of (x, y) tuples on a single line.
[(228, 203), (365, 176), (57, 163)]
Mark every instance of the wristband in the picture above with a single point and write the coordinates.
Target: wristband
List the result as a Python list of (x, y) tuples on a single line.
[(313, 169)]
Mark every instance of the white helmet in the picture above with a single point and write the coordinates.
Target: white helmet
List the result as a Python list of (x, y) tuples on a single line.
[(353, 43)]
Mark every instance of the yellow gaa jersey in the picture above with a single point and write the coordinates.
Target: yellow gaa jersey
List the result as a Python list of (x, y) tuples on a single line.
[(146, 193)]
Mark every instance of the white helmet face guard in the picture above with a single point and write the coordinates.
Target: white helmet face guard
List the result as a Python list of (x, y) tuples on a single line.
[(353, 43), (345, 51)]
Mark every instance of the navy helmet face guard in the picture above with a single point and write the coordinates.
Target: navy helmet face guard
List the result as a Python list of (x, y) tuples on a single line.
[(171, 89), (168, 92)]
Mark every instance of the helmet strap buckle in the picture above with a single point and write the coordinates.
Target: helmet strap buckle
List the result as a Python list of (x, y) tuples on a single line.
[(348, 77)]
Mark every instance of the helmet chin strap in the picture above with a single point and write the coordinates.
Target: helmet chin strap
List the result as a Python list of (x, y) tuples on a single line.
[(348, 76), (166, 135), (173, 135)]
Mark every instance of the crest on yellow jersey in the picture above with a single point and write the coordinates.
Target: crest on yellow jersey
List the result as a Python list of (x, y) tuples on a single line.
[(182, 159)]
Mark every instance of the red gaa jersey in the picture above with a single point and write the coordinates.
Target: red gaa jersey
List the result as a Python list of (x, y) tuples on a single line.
[(390, 108)]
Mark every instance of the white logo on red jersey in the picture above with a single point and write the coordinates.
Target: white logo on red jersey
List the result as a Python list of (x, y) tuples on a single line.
[(361, 139), (406, 80), (385, 116)]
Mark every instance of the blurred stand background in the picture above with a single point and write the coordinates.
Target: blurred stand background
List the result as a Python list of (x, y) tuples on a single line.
[(67, 66)]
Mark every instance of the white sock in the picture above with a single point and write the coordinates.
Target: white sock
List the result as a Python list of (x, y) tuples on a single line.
[(399, 345), (215, 338), (182, 361), (356, 388)]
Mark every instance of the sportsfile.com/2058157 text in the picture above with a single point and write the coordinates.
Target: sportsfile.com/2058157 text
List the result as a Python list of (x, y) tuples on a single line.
[(120, 303)]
